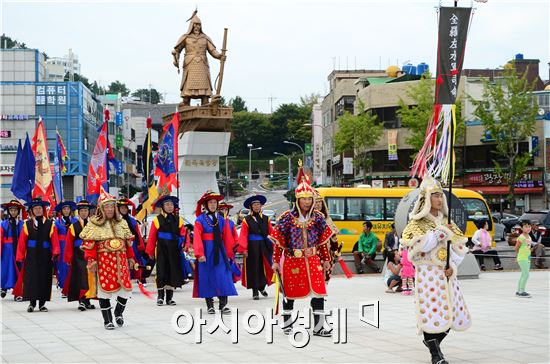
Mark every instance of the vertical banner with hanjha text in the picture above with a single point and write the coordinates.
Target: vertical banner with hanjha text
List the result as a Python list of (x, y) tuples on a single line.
[(453, 30), (392, 144)]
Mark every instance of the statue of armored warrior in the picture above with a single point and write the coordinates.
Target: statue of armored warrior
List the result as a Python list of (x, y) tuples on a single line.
[(195, 82)]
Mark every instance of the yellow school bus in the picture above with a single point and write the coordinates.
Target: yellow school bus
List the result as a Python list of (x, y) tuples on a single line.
[(350, 207)]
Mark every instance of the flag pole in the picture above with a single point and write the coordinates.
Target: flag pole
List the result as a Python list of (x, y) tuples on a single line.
[(451, 175)]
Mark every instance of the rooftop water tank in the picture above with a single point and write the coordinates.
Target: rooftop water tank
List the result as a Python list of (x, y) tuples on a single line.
[(519, 56), (422, 68), (409, 69)]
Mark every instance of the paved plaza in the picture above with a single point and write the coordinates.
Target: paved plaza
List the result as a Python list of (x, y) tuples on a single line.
[(506, 329)]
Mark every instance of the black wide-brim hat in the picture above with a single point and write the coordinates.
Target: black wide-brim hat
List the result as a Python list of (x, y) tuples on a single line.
[(37, 202), (84, 204), (256, 198), (60, 205), (162, 199)]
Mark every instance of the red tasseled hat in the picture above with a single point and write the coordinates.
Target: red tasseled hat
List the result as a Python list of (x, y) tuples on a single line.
[(208, 195)]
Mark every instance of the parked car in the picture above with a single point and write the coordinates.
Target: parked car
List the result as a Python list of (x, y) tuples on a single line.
[(508, 220), (241, 215), (499, 228), (543, 218)]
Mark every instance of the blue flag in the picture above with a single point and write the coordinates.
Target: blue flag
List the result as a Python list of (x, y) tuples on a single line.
[(23, 176)]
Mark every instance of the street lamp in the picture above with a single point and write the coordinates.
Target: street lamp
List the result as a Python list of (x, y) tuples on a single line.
[(299, 146), (250, 149), (289, 169), (227, 175)]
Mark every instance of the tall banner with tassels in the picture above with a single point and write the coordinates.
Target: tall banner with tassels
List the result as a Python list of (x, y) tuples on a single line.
[(434, 158)]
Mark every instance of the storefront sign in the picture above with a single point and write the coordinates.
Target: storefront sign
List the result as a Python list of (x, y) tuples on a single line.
[(8, 147), (51, 94), (15, 117), (7, 168), (348, 165), (529, 179), (392, 144)]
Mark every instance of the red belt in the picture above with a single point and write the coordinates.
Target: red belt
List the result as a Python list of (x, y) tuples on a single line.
[(62, 237), (8, 240), (206, 236)]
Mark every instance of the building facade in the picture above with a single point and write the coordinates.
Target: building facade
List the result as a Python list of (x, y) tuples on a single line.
[(68, 107)]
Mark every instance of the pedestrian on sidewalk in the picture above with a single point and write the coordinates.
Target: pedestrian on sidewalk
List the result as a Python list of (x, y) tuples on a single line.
[(440, 305), (537, 248), (166, 242), (523, 250), (482, 245), (364, 251)]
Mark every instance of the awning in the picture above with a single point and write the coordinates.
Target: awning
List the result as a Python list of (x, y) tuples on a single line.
[(503, 190)]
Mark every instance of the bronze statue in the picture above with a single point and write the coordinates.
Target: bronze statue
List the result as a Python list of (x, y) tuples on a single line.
[(195, 82)]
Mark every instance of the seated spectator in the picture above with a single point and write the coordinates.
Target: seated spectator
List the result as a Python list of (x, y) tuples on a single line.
[(482, 245), (364, 251), (537, 248), (391, 242), (393, 272)]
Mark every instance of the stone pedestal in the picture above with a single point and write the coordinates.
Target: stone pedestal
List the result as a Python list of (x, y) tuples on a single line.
[(199, 154), (204, 138)]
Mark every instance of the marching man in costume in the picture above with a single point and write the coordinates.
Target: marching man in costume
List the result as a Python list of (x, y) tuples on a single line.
[(62, 223), (138, 245), (37, 248), (10, 230), (166, 242), (256, 247), (213, 246), (77, 286), (224, 208), (439, 302), (301, 237), (107, 244)]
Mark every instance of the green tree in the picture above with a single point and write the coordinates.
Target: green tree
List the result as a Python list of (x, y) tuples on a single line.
[(8, 43), (116, 87), (416, 117), (238, 104), (309, 100), (288, 122), (253, 128), (143, 94), (358, 133), (508, 111)]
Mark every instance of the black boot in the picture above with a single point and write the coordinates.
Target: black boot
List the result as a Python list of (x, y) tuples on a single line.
[(119, 309), (319, 325), (160, 298), (81, 305), (287, 323), (223, 305), (169, 295), (88, 304), (435, 351), (210, 305), (105, 305), (255, 294), (3, 293)]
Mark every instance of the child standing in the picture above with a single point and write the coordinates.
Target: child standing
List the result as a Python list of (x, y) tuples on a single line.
[(523, 250), (407, 272)]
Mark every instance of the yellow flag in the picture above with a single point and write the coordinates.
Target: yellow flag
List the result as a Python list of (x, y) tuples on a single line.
[(147, 205)]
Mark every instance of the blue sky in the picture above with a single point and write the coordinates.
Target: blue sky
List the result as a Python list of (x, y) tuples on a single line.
[(282, 49)]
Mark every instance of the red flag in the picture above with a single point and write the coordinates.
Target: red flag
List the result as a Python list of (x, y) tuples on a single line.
[(43, 174), (97, 170)]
